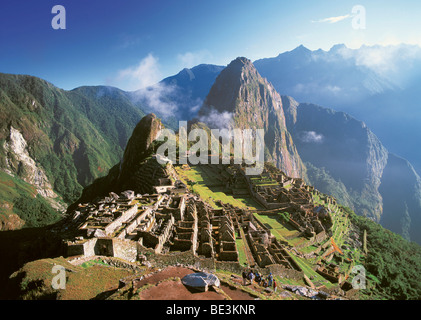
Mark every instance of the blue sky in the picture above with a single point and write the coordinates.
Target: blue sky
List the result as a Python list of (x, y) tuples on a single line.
[(131, 43)]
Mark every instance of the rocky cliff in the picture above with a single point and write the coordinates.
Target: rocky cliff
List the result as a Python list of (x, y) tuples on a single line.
[(401, 192), (241, 98), (345, 158)]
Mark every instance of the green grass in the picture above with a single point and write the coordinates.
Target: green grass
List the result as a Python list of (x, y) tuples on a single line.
[(11, 187), (278, 229), (91, 263), (289, 281), (242, 258), (309, 272), (82, 282), (211, 194), (21, 198)]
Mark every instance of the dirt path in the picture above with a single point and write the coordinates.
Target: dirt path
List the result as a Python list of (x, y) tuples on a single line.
[(175, 290)]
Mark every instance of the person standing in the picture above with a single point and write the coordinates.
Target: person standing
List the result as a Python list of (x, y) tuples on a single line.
[(270, 279), (275, 285), (244, 277), (251, 277)]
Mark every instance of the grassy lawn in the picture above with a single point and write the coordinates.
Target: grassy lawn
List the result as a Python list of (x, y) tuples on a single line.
[(309, 272), (90, 263), (203, 187), (290, 282), (276, 226), (241, 252), (92, 281), (308, 249), (82, 282)]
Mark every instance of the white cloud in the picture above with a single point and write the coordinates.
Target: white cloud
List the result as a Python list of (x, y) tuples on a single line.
[(384, 60), (218, 120), (191, 59), (333, 19), (333, 89), (145, 73), (154, 99), (143, 79), (311, 137)]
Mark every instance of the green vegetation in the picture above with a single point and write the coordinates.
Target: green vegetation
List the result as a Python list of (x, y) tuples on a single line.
[(279, 228), (75, 136), (242, 258), (90, 263), (325, 183), (35, 212), (393, 263), (204, 185), (84, 282), (19, 197)]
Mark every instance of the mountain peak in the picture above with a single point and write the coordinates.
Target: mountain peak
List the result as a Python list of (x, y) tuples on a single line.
[(301, 49), (239, 64), (338, 47), (145, 133), (228, 84), (241, 60), (241, 98)]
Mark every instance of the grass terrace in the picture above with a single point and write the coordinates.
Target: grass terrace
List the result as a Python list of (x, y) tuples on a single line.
[(209, 189)]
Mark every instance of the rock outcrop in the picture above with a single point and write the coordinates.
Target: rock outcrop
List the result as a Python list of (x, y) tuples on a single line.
[(19, 162), (138, 146), (240, 98), (138, 170)]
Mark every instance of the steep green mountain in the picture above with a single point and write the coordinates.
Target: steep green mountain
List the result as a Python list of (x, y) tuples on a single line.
[(345, 159), (59, 141), (240, 98), (21, 205)]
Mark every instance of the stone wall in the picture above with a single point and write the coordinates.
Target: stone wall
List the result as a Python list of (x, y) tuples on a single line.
[(75, 249), (279, 270), (126, 215), (85, 248), (104, 247), (234, 267), (125, 249), (90, 247)]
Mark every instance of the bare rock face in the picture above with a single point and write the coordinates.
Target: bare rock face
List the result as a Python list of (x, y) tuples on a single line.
[(241, 98), (10, 222), (19, 162)]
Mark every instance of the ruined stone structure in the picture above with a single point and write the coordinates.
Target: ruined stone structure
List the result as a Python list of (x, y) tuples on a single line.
[(172, 221)]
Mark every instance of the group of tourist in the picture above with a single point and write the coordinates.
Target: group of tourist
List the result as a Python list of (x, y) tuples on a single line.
[(249, 276)]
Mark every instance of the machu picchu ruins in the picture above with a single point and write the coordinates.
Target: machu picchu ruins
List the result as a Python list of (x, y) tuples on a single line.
[(174, 223)]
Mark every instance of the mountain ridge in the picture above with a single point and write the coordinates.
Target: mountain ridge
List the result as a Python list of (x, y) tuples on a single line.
[(65, 138)]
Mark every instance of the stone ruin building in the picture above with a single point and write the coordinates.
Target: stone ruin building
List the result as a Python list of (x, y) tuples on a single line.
[(172, 220)]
